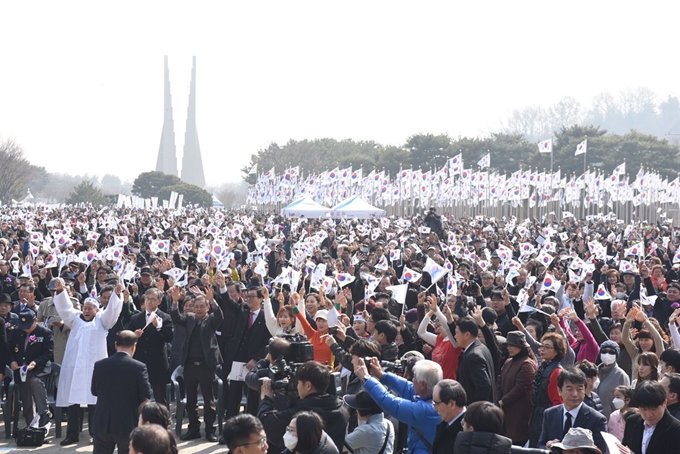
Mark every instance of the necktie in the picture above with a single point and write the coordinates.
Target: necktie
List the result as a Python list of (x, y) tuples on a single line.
[(251, 320), (567, 424)]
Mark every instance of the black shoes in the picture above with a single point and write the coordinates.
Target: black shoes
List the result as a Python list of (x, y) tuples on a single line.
[(211, 438), (44, 419), (222, 440), (190, 436), (69, 441)]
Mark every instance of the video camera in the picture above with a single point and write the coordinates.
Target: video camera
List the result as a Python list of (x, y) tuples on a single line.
[(282, 372)]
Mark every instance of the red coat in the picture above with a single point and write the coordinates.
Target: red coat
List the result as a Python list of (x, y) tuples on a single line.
[(514, 389)]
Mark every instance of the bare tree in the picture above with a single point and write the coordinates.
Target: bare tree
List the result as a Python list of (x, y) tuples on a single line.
[(15, 170)]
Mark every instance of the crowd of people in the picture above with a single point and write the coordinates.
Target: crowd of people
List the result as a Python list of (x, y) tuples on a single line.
[(425, 335)]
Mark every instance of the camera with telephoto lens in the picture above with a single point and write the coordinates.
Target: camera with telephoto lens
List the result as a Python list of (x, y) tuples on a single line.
[(388, 366), (282, 372)]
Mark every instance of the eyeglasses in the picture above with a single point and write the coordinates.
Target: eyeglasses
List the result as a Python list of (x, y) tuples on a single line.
[(249, 297), (610, 352), (546, 347), (261, 442), (435, 403)]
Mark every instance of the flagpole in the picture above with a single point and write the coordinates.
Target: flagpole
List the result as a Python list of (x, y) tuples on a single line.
[(584, 156)]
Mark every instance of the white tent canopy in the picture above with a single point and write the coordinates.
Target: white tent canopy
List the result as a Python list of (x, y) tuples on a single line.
[(356, 207), (305, 207)]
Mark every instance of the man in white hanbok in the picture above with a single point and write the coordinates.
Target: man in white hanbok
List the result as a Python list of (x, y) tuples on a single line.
[(86, 345)]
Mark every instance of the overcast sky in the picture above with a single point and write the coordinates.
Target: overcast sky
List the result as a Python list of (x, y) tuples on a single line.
[(81, 85)]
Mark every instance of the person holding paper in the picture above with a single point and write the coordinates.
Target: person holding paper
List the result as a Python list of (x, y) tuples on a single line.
[(153, 329), (200, 357), (249, 337)]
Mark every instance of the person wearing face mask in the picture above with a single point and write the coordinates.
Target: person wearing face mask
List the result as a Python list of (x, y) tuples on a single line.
[(375, 433), (623, 396), (305, 435), (611, 376)]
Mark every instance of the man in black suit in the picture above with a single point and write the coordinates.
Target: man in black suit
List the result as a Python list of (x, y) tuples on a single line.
[(32, 348), (653, 430), (449, 400), (26, 297), (121, 385), (153, 329), (249, 339), (200, 357), (475, 366), (557, 420)]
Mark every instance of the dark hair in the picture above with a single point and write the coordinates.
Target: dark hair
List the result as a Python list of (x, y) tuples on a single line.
[(538, 327), (315, 373), (366, 397), (30, 285), (648, 359), (484, 417), (388, 328), (468, 325), (110, 288), (155, 413), (311, 425), (153, 439), (572, 375), (673, 383), (649, 394), (627, 392), (671, 356), (364, 347), (238, 429), (451, 390), (615, 326), (379, 314), (279, 347), (559, 344), (126, 339), (588, 368)]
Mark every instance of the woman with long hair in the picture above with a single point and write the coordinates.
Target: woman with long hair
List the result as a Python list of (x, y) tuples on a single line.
[(647, 339), (647, 367), (514, 387)]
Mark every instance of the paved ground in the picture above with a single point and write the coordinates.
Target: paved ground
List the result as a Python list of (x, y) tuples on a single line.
[(52, 446)]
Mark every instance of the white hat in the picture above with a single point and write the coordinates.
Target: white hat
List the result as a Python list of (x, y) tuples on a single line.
[(323, 313), (92, 301)]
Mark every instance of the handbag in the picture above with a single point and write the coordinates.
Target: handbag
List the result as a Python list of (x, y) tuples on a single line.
[(31, 436)]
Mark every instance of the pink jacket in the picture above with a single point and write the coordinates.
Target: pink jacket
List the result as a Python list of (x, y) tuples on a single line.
[(589, 348)]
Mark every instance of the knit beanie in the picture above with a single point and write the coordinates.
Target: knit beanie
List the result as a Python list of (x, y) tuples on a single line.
[(611, 344)]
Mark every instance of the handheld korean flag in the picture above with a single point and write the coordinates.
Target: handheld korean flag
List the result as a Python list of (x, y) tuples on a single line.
[(382, 264), (451, 285), (637, 250), (550, 283), (437, 272), (120, 240), (602, 293), (545, 146), (676, 257), (485, 161), (344, 279), (625, 265), (581, 148), (409, 275), (261, 268), (395, 255), (512, 273), (51, 261), (398, 292), (544, 259)]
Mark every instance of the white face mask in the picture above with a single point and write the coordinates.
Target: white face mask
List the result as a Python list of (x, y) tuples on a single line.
[(618, 403), (608, 358), (290, 441), (660, 369)]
